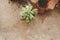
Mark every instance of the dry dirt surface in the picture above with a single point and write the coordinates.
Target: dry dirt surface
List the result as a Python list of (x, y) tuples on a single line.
[(44, 27)]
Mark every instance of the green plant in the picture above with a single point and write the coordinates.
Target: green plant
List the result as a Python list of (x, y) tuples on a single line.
[(28, 13)]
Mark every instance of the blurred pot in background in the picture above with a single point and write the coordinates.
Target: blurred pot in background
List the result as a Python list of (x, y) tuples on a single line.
[(34, 1), (40, 5), (44, 5), (51, 4), (58, 4)]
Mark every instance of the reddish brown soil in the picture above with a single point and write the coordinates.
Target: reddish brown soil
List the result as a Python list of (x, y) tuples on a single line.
[(44, 27)]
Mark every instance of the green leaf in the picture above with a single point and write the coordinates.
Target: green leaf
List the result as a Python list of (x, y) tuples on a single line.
[(31, 16), (34, 11), (27, 20)]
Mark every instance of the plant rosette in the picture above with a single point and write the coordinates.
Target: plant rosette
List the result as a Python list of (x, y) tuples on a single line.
[(27, 13)]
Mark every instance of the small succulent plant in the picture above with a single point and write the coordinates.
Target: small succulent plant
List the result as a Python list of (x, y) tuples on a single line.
[(28, 13)]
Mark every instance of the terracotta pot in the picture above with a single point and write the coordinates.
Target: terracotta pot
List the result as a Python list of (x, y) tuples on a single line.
[(41, 10), (36, 5)]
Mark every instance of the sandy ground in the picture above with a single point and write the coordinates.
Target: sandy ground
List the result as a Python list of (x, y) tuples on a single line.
[(44, 27)]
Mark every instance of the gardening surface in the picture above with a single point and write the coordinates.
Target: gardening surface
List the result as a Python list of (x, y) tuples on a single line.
[(44, 27)]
